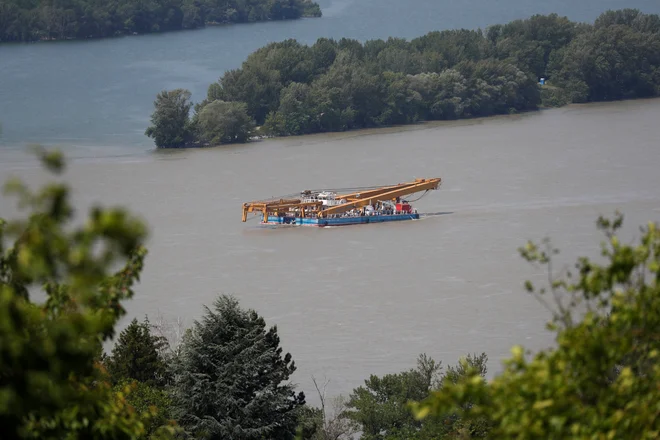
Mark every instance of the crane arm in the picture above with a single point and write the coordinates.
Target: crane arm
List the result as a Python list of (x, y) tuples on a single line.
[(419, 185), (372, 192), (353, 200)]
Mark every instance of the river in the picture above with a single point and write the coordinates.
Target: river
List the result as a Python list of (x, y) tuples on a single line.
[(352, 301)]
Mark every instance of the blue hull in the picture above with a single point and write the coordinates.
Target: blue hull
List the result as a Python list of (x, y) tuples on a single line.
[(273, 220)]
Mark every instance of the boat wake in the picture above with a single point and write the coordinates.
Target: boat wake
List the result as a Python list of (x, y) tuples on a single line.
[(434, 214)]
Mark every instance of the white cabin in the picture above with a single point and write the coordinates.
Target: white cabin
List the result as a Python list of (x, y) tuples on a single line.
[(325, 197)]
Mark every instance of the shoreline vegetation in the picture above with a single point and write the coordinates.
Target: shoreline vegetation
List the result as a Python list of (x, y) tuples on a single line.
[(48, 20), (287, 88)]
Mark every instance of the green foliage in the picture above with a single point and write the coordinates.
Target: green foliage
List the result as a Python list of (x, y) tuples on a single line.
[(146, 399), (310, 423), (224, 122), (51, 383), (29, 20), (137, 355), (171, 127), (529, 43), (310, 8), (332, 85), (230, 378), (381, 407), (602, 380), (629, 17), (613, 62), (293, 116), (554, 96)]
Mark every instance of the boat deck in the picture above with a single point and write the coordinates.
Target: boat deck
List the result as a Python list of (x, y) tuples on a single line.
[(348, 206), (340, 221)]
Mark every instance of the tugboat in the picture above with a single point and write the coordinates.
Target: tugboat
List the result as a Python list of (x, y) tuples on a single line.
[(341, 206)]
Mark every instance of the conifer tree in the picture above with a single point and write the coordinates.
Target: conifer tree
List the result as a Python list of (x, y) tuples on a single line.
[(231, 379), (136, 356)]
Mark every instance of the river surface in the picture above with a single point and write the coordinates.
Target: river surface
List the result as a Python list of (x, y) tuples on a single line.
[(356, 300), (348, 301)]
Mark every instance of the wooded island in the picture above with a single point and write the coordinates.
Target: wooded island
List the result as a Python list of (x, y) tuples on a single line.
[(287, 88)]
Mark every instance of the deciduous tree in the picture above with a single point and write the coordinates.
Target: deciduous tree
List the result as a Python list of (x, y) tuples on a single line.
[(171, 119), (381, 406), (602, 380), (225, 122), (51, 383)]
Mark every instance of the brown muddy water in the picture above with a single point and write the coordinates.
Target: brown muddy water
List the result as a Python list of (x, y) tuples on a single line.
[(352, 301)]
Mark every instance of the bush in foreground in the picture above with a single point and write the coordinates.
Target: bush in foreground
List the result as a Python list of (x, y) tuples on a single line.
[(52, 384), (603, 378)]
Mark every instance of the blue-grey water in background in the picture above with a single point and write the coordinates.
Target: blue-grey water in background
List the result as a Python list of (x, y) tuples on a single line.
[(91, 94)]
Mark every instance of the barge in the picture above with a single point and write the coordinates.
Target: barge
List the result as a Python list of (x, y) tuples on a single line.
[(340, 207)]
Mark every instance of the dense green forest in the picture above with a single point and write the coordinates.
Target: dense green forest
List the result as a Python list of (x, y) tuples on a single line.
[(29, 20), (227, 376), (287, 88)]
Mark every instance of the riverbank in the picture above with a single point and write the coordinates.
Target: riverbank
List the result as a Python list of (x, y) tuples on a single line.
[(323, 137), (287, 88), (313, 140)]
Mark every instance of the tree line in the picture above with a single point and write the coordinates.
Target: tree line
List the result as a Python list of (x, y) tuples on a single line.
[(30, 20), (228, 377), (287, 88)]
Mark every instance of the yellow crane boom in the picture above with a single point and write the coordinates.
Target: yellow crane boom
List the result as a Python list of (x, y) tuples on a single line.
[(350, 200), (373, 192), (384, 194)]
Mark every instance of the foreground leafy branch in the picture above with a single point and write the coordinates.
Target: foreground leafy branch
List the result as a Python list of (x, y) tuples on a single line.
[(603, 378), (52, 384)]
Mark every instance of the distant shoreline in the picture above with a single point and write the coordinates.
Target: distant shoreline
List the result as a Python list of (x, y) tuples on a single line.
[(132, 35), (135, 34), (133, 25), (421, 125)]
